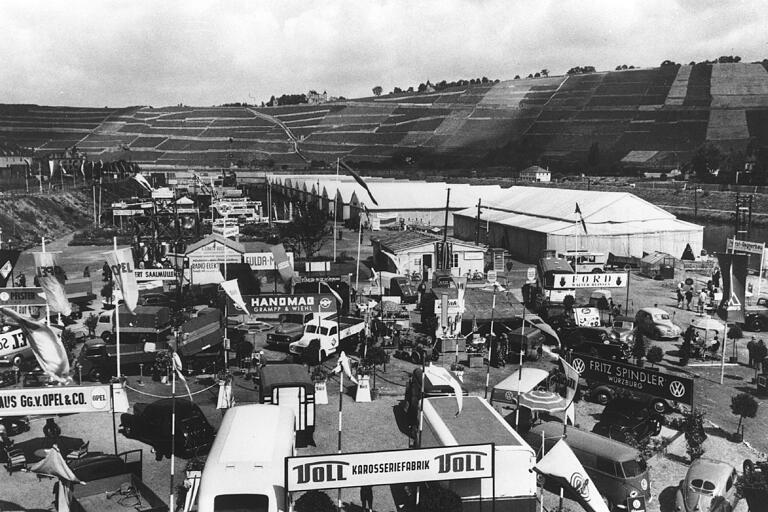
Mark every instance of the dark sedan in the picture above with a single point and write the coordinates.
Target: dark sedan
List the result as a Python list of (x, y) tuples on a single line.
[(602, 342), (628, 421)]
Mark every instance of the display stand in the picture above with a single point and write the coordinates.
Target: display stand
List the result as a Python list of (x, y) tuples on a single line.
[(363, 393), (321, 393)]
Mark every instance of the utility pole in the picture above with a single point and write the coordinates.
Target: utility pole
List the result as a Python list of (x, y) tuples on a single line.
[(477, 223)]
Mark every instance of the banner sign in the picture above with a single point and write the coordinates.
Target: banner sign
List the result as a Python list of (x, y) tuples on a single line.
[(155, 274), (298, 303), (334, 471), (656, 383), (226, 231), (208, 257), (54, 400), (22, 297), (596, 280), (263, 260), (12, 341), (734, 245), (127, 213)]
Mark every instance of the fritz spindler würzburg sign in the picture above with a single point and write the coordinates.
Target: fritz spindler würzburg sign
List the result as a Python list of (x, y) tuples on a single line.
[(656, 383)]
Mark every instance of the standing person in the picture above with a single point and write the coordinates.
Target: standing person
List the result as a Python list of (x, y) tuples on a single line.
[(688, 298), (52, 432), (702, 300), (639, 349), (751, 345), (366, 498), (680, 296), (761, 351), (716, 278)]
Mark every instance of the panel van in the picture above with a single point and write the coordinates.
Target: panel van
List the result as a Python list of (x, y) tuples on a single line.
[(245, 469), (616, 469)]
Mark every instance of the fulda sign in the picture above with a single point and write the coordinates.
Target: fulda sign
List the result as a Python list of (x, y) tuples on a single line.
[(388, 467)]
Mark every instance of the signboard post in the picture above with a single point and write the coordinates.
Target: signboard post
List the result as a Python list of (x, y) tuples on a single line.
[(662, 385), (21, 297), (744, 246), (341, 470)]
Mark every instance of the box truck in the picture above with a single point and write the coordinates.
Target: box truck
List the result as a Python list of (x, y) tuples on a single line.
[(515, 481)]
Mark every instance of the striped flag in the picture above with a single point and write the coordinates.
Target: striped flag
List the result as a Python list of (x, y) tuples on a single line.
[(51, 278), (121, 263), (359, 180)]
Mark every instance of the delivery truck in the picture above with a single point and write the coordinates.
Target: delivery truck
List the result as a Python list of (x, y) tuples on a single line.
[(290, 328), (332, 333), (478, 423), (145, 324), (289, 385)]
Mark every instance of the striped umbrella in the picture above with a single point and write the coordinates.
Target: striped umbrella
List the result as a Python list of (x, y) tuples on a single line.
[(541, 400)]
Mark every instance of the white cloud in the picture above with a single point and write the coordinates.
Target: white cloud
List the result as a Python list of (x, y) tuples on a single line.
[(208, 52)]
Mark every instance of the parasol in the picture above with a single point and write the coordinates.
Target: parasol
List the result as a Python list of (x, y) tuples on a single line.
[(541, 400)]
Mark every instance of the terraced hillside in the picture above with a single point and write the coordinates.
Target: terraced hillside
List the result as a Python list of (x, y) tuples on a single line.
[(667, 110)]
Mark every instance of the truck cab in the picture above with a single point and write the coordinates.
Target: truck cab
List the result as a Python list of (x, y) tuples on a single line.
[(330, 333)]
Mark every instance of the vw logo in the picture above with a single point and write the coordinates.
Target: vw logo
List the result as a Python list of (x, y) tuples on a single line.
[(325, 303), (579, 483), (676, 388), (579, 365), (509, 395), (643, 485)]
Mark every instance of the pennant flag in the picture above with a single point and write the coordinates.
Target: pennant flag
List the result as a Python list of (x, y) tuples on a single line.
[(561, 463), (225, 400), (141, 180), (232, 289), (121, 263), (334, 292), (8, 259), (51, 166), (343, 365), (51, 278), (54, 465), (571, 380), (359, 180), (581, 218), (46, 346), (441, 376), (178, 369), (282, 262), (82, 168), (734, 271)]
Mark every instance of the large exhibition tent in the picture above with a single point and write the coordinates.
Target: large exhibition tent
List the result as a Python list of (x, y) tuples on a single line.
[(528, 220)]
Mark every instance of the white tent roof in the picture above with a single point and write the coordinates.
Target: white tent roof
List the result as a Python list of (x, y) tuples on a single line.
[(551, 210)]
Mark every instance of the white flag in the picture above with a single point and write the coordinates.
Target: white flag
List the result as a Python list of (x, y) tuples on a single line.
[(143, 181), (51, 277), (343, 364), (233, 291), (439, 375), (561, 463), (121, 263), (177, 368)]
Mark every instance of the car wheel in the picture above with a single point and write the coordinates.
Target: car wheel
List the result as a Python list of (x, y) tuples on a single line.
[(128, 430), (106, 336), (756, 325), (602, 397), (749, 467), (94, 374), (17, 361), (659, 406)]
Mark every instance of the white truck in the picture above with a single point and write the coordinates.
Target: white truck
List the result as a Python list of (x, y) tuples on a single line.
[(330, 332), (479, 423)]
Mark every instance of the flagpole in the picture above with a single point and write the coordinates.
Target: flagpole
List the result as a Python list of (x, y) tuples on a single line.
[(359, 242), (490, 346), (520, 373), (117, 314), (335, 207), (173, 423), (341, 408), (47, 306)]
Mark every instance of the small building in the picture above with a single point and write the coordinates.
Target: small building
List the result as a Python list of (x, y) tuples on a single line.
[(406, 252), (535, 174), (658, 264)]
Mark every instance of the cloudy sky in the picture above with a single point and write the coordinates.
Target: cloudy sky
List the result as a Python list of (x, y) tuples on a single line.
[(199, 52)]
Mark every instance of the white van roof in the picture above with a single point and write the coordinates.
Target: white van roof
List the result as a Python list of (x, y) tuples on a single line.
[(527, 381)]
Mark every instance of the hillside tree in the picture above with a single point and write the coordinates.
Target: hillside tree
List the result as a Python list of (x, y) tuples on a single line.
[(377, 90), (308, 232)]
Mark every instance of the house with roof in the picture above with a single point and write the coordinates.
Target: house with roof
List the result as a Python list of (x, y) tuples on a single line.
[(535, 174), (406, 252)]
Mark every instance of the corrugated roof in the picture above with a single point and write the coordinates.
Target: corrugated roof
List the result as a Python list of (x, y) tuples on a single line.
[(400, 241), (236, 246)]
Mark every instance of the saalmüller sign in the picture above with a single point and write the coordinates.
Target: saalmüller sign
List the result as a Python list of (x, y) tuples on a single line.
[(662, 385)]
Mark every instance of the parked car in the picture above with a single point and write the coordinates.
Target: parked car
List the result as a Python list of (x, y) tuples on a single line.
[(15, 425), (627, 421), (656, 323), (709, 486), (151, 424), (604, 393), (625, 326), (602, 342)]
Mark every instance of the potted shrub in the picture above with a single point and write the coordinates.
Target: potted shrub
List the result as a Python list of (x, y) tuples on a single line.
[(315, 501), (90, 323), (162, 367), (655, 355), (695, 435), (743, 405)]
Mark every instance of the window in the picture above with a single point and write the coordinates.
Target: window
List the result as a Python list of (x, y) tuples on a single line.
[(241, 503), (606, 466), (455, 258), (417, 262), (634, 467)]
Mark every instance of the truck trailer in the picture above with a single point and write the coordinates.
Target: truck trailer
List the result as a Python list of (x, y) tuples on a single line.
[(514, 488)]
